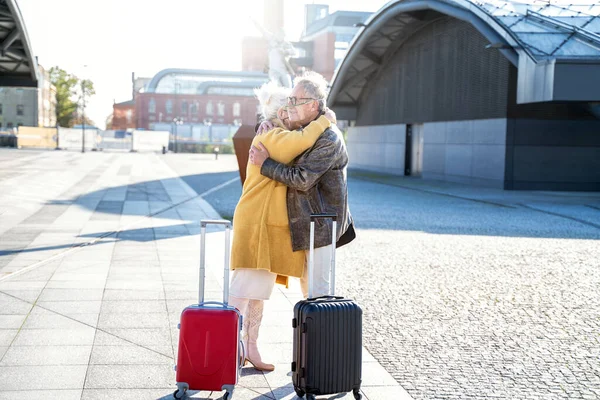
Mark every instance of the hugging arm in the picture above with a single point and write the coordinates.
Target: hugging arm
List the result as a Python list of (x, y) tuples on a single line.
[(304, 175)]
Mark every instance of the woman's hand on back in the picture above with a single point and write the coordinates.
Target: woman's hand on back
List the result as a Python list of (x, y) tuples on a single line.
[(265, 127)]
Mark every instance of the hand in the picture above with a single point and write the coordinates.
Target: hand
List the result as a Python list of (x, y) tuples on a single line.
[(258, 155), (330, 115), (265, 127)]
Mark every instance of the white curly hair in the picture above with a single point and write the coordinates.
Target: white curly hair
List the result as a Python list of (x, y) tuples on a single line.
[(271, 97)]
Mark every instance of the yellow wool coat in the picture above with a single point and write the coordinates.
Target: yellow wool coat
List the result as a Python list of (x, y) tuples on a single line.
[(261, 232)]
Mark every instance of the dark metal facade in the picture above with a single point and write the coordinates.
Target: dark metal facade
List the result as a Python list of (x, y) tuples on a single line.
[(18, 66), (442, 73), (551, 146)]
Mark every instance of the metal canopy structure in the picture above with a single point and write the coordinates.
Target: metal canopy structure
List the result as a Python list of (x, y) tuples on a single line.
[(198, 81), (18, 66), (556, 47)]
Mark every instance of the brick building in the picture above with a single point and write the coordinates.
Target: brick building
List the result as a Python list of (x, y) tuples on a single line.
[(198, 97), (123, 116), (192, 98)]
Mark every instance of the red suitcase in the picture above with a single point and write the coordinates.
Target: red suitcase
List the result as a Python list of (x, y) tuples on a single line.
[(210, 349)]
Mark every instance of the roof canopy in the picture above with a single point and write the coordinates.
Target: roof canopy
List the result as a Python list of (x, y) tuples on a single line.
[(556, 48), (199, 81), (18, 66)]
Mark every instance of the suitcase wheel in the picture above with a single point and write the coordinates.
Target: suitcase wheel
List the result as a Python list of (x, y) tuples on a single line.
[(299, 392), (357, 394), (181, 391), (310, 396)]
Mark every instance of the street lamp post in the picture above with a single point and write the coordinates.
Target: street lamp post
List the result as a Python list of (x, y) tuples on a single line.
[(82, 117), (176, 121), (83, 114), (208, 122)]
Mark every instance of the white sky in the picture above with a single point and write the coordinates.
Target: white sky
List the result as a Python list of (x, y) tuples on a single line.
[(117, 37)]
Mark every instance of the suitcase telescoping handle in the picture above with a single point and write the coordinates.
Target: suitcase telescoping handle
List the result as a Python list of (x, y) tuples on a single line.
[(203, 224), (311, 252)]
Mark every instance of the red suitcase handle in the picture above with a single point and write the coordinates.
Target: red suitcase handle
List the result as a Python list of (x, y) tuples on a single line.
[(203, 224)]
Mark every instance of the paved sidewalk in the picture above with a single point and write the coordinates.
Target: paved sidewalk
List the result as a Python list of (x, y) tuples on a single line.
[(91, 286)]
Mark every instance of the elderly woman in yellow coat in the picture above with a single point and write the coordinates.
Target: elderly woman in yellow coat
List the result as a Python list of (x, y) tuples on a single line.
[(262, 248)]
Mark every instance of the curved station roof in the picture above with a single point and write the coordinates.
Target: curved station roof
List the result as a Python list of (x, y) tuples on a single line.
[(18, 66), (199, 81), (556, 47)]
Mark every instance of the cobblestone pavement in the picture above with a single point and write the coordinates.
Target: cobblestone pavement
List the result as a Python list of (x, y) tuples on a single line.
[(471, 300), (468, 299)]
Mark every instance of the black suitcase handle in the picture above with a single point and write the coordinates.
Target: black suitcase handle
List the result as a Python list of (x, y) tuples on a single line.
[(311, 250), (314, 217), (327, 297)]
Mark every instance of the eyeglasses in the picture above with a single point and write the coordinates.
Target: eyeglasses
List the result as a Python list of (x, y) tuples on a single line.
[(293, 101)]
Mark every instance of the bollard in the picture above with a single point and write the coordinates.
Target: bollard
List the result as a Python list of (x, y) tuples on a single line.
[(164, 150), (216, 151)]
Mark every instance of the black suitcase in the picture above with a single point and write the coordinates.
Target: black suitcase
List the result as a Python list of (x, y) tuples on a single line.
[(327, 352)]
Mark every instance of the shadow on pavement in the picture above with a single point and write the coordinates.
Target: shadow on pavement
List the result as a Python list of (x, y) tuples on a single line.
[(133, 235), (111, 200), (372, 208)]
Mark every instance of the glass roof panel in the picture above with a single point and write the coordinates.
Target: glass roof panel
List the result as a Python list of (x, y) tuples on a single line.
[(577, 48), (526, 25), (594, 25), (509, 21), (542, 38), (545, 42), (585, 9), (555, 11), (575, 21)]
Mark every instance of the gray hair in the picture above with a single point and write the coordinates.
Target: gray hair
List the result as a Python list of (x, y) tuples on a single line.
[(315, 86), (271, 98)]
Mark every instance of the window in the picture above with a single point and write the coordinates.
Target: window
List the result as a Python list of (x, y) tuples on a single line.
[(0, 109), (152, 106), (184, 107), (209, 108), (236, 109), (194, 108), (0, 125), (169, 106), (220, 109), (20, 109), (9, 125), (129, 116)]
